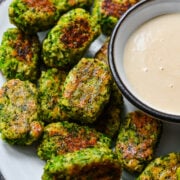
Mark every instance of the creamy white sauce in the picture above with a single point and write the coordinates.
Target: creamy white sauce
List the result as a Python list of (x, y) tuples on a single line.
[(152, 63)]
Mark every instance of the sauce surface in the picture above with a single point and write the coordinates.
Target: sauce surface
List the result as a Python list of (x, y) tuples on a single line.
[(152, 63)]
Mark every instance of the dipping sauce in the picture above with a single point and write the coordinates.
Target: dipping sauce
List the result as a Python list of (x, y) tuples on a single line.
[(152, 63)]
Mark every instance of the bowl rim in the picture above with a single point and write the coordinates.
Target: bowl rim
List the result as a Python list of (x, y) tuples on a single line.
[(171, 118)]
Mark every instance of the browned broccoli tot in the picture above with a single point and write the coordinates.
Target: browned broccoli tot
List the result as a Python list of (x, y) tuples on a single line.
[(63, 137), (91, 163), (19, 121), (67, 42), (86, 90), (136, 141), (108, 12), (49, 92), (19, 55), (161, 168), (33, 15)]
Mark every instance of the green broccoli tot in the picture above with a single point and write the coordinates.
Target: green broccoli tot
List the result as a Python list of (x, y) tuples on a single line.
[(91, 163), (67, 42), (86, 90)]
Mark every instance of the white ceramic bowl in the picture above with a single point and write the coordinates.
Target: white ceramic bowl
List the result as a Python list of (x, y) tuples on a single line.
[(130, 21)]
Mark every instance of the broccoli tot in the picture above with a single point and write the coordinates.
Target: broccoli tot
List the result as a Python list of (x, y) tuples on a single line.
[(69, 39), (137, 140), (32, 16), (164, 167), (90, 163), (63, 137), (19, 123), (108, 12), (49, 92), (86, 90), (19, 55)]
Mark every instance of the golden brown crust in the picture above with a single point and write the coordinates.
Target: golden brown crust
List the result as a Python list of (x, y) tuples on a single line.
[(75, 35), (41, 5), (116, 9)]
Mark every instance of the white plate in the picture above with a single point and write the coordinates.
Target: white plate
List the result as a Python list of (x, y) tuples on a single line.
[(22, 163)]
